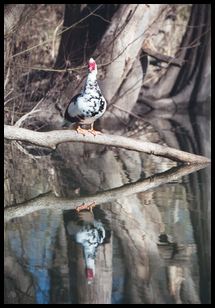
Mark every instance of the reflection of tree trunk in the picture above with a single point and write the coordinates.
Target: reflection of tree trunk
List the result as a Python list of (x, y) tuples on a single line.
[(192, 133), (28, 261), (59, 292), (18, 284), (24, 176), (199, 186), (182, 286), (138, 235), (188, 132)]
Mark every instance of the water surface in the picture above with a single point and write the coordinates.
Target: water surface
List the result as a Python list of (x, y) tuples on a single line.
[(147, 247)]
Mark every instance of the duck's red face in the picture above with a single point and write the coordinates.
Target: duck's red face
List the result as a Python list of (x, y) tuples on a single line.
[(90, 274), (91, 65)]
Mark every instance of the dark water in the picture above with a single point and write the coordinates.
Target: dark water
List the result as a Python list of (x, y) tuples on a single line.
[(150, 246)]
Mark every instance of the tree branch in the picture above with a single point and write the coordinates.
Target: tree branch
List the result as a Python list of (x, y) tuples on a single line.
[(53, 138), (164, 58), (49, 201)]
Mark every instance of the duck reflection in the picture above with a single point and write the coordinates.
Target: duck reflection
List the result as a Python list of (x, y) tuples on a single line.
[(88, 228)]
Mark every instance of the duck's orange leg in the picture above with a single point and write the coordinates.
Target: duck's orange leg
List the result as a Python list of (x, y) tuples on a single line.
[(86, 207), (81, 130), (93, 131)]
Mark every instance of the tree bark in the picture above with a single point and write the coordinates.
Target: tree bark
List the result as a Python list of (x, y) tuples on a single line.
[(78, 42), (52, 139), (122, 43), (189, 86)]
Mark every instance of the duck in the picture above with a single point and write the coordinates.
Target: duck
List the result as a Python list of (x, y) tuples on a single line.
[(87, 106)]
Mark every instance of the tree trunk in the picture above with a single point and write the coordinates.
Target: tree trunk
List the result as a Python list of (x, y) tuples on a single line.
[(117, 59), (79, 42), (189, 86)]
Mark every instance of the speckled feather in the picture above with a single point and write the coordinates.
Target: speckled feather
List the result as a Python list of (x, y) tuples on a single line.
[(89, 105)]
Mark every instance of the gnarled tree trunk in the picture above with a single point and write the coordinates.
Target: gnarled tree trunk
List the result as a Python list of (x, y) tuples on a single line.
[(188, 86)]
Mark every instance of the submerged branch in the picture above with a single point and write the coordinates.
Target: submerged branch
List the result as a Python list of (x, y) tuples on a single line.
[(53, 138), (49, 201)]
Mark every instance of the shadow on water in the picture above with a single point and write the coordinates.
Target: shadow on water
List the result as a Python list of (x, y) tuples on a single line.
[(149, 246)]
